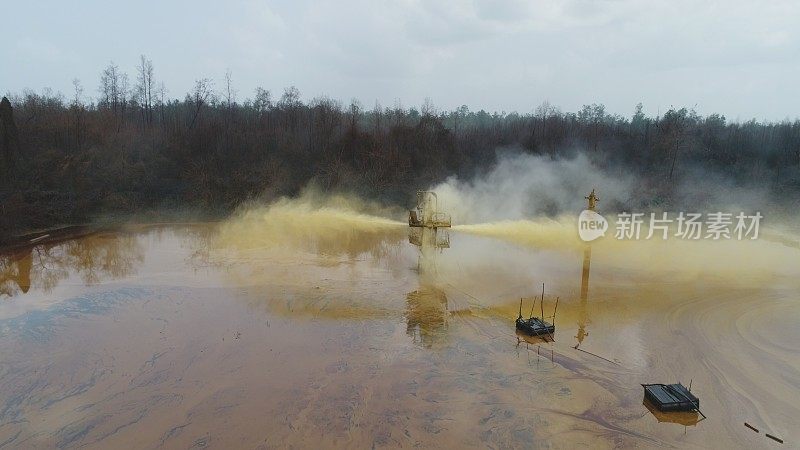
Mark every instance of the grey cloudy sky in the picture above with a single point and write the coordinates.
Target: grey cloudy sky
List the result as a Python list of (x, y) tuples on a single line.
[(738, 58)]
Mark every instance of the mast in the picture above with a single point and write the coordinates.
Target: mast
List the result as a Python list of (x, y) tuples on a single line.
[(554, 312), (542, 302), (532, 305)]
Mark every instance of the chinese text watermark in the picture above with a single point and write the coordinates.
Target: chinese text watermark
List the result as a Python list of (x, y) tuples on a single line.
[(686, 226)]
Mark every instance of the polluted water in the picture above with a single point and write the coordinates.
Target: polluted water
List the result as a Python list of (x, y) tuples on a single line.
[(330, 322)]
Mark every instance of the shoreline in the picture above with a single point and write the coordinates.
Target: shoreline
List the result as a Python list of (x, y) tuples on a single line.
[(67, 232)]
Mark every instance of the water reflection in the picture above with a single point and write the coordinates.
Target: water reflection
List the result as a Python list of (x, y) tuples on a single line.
[(687, 419), (325, 335), (93, 259), (426, 308), (530, 339), (15, 272), (430, 238), (583, 316), (426, 315)]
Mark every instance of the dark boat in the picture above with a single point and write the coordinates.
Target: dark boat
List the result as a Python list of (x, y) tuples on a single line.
[(528, 338), (671, 397), (534, 326)]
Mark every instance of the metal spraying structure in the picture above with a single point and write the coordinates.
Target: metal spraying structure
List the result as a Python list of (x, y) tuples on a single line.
[(427, 310), (425, 223), (592, 199), (427, 214)]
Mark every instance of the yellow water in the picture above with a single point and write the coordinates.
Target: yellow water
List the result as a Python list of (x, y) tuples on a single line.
[(300, 325)]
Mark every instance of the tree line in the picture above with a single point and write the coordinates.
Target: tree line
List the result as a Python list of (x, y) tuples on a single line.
[(135, 150)]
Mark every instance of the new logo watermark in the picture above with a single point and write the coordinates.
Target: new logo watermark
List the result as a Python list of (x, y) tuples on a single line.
[(591, 225), (685, 226)]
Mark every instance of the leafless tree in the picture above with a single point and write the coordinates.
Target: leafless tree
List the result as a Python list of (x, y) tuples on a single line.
[(124, 96), (110, 89), (263, 101), (162, 93), (230, 92), (377, 118), (77, 107), (459, 114), (202, 94), (428, 108), (144, 88), (355, 113), (290, 98), (77, 100)]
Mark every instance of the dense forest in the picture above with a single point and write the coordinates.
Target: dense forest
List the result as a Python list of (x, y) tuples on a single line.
[(133, 150)]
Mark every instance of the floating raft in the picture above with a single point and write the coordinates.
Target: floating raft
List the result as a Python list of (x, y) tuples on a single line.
[(535, 326), (671, 397)]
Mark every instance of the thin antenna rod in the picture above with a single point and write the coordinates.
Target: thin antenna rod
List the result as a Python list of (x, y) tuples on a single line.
[(520, 308), (554, 312), (542, 302), (532, 305)]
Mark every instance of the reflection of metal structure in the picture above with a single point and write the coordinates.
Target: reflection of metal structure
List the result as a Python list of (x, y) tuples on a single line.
[(424, 237), (426, 230), (687, 419), (583, 317), (529, 340), (426, 312), (426, 214), (535, 340), (426, 315)]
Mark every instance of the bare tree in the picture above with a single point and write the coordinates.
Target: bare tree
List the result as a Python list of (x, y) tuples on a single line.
[(428, 108), (144, 88), (124, 91), (162, 92), (290, 104), (114, 90), (377, 118), (77, 107), (459, 114), (230, 92), (263, 100), (76, 84), (355, 113), (230, 98), (593, 116), (110, 87), (202, 94), (290, 98)]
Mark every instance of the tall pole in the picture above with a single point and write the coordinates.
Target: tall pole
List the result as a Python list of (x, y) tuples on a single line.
[(554, 311), (532, 305), (542, 302)]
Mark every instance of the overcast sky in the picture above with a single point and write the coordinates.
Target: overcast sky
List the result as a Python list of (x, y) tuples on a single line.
[(738, 58)]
